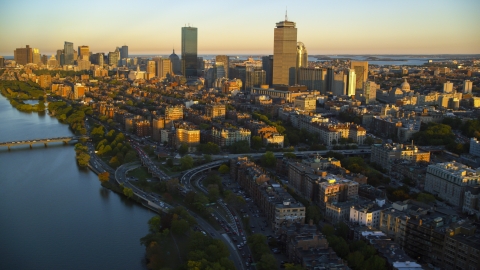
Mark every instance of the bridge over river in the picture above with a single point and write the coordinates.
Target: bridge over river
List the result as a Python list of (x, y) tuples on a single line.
[(45, 141)]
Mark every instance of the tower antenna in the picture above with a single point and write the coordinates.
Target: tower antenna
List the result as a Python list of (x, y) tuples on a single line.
[(286, 17)]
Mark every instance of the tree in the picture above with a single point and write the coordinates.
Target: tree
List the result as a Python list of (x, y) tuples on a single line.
[(256, 142), (186, 162), (328, 230), (170, 162), (369, 141), (267, 262), (114, 162), (289, 155), (355, 260), (213, 193), (207, 158), (426, 198), (268, 159), (179, 226), (127, 192), (240, 147), (224, 169), (172, 186), (183, 149), (104, 177), (154, 224), (313, 213)]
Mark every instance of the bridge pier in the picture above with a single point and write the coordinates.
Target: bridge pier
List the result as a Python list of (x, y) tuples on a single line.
[(30, 146), (8, 147), (45, 144), (65, 142)]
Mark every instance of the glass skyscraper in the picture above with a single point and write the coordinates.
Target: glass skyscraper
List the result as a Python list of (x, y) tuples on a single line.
[(189, 51), (68, 52)]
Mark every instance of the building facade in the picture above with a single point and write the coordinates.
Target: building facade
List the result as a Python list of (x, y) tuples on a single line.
[(189, 51), (284, 53)]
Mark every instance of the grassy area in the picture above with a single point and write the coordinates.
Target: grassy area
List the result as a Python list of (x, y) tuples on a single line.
[(166, 169), (141, 173)]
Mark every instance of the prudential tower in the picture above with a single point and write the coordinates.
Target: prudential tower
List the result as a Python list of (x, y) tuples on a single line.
[(284, 52)]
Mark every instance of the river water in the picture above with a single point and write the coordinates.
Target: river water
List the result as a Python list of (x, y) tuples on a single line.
[(54, 215)]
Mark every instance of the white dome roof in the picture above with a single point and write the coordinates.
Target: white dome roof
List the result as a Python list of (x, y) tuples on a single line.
[(405, 85)]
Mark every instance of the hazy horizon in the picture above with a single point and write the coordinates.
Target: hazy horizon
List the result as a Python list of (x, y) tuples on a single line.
[(371, 27)]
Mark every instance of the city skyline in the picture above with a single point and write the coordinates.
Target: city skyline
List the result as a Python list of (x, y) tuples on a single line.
[(347, 27)]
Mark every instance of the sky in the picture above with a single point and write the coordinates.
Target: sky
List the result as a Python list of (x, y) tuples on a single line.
[(243, 27)]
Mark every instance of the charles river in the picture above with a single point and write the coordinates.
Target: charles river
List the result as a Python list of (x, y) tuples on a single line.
[(54, 215)]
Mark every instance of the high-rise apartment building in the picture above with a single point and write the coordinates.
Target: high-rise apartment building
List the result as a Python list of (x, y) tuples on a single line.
[(163, 67), (68, 53), (124, 52), (254, 77), (83, 52), (284, 53), (448, 87), (226, 63), (467, 87), (339, 85), (361, 72), (60, 57), (2, 61), (189, 51), (113, 57), (370, 92), (23, 56), (449, 181), (151, 69)]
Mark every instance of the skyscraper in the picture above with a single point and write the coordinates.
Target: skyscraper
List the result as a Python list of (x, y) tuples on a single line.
[(267, 65), (313, 79), (163, 67), (68, 52), (176, 63), (467, 87), (23, 56), (83, 52), (124, 52), (36, 57), (189, 51), (352, 82), (302, 55), (284, 53), (361, 73), (254, 76), (60, 57)]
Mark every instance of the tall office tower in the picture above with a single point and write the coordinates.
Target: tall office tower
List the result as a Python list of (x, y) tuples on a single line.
[(113, 57), (284, 53), (467, 87), (351, 82), (124, 52), (68, 52), (2, 61), (36, 56), (448, 87), (302, 55), (60, 57), (200, 66), (151, 69), (339, 84), (267, 65), (189, 51), (83, 52), (176, 63), (44, 59), (23, 56), (226, 62), (361, 73), (313, 79), (219, 71), (254, 76)]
